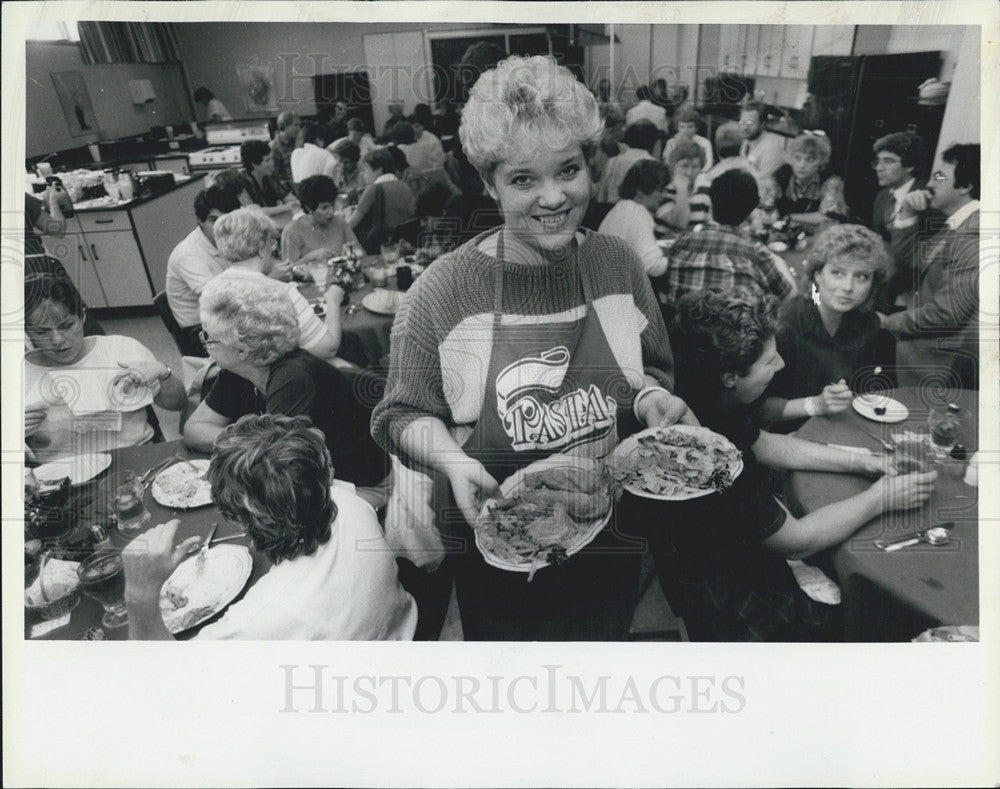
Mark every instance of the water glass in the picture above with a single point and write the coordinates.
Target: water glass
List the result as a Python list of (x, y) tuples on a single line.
[(319, 271), (378, 275), (946, 425), (102, 576), (124, 493), (912, 455), (390, 252)]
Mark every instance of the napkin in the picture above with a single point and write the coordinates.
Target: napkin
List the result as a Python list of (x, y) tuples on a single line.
[(60, 577), (814, 582)]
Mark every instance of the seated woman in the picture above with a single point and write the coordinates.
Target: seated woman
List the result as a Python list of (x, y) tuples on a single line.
[(638, 141), (729, 578), (251, 332), (319, 234), (806, 194), (642, 191), (830, 339), (417, 182), (85, 394), (332, 576), (385, 204), (348, 176), (688, 121), (687, 202), (258, 179), (246, 238)]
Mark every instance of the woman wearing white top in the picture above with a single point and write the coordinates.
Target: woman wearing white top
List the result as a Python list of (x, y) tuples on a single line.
[(643, 190), (333, 576)]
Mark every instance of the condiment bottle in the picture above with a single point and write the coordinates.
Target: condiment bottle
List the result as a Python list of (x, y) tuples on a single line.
[(125, 186)]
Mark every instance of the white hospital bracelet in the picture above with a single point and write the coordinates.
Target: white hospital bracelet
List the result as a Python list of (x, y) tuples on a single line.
[(809, 404), (642, 393)]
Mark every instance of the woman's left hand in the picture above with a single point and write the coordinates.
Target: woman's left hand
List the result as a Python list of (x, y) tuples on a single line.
[(143, 372), (661, 409)]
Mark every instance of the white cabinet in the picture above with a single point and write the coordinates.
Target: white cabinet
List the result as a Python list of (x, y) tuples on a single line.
[(748, 55), (833, 40), (796, 51), (71, 251), (769, 51), (730, 48), (118, 263)]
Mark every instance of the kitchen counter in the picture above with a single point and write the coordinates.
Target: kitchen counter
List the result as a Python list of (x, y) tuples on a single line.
[(106, 203)]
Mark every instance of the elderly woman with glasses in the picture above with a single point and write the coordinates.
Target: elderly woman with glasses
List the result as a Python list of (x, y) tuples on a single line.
[(85, 394), (332, 575), (468, 393), (806, 193), (251, 332)]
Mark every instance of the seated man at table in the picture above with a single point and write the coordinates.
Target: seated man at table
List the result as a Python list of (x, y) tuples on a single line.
[(938, 331), (252, 333), (195, 261), (319, 234), (332, 577), (246, 239), (721, 256), (721, 559)]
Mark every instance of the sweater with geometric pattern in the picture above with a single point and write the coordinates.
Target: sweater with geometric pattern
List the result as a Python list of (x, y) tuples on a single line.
[(443, 331)]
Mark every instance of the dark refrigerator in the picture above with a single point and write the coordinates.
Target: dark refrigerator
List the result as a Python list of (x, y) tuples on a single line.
[(857, 99)]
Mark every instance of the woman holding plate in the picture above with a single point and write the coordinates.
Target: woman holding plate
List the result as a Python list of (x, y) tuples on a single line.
[(721, 559), (532, 339)]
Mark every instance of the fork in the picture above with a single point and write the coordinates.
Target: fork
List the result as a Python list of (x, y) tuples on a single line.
[(886, 446), (203, 551)]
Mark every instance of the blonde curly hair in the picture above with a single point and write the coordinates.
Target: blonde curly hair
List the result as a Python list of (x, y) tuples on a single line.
[(854, 241), (522, 103)]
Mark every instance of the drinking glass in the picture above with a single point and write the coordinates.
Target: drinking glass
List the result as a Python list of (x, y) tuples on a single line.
[(319, 271), (102, 576), (378, 275), (946, 424), (124, 493), (390, 252), (912, 455)]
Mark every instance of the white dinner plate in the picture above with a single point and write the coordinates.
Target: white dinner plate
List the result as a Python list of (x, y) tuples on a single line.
[(631, 444), (382, 305), (509, 487), (205, 591), (895, 411), (79, 468), (181, 487)]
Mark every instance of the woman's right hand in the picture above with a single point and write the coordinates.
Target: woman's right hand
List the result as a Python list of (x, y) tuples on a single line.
[(471, 485), (33, 418), (906, 491)]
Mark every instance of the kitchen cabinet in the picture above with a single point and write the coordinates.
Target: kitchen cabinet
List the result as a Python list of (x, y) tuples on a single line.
[(71, 251), (731, 48), (833, 40), (118, 263), (748, 55), (796, 51), (769, 51)]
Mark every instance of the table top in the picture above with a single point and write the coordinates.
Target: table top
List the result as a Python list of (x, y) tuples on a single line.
[(936, 583), (193, 522)]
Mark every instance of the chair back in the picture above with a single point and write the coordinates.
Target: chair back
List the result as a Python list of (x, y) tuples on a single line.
[(186, 344)]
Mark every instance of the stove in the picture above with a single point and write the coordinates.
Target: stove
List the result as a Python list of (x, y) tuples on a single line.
[(224, 139)]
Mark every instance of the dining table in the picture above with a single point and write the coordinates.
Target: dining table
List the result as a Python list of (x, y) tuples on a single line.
[(193, 522), (364, 333), (896, 595)]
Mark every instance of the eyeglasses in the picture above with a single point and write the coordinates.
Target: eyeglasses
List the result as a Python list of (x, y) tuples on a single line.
[(939, 176), (814, 133), (206, 340)]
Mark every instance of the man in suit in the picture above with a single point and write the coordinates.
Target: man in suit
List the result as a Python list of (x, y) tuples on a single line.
[(937, 331), (896, 158)]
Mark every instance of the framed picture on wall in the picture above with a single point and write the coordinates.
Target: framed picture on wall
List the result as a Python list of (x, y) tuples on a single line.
[(259, 94), (75, 102)]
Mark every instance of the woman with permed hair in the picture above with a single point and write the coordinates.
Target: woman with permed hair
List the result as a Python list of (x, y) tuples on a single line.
[(468, 396), (807, 194), (829, 336), (332, 577)]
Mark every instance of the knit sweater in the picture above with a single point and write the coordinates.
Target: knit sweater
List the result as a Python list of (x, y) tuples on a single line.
[(443, 332)]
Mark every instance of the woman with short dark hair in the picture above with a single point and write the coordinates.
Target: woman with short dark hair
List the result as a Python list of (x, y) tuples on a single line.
[(631, 219), (332, 576), (386, 203), (320, 233)]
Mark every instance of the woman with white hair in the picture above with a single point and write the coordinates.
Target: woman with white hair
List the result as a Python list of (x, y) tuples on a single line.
[(537, 292), (332, 575), (251, 332), (250, 242)]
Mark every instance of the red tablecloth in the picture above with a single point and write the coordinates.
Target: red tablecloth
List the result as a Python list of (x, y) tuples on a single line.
[(197, 521), (894, 596)]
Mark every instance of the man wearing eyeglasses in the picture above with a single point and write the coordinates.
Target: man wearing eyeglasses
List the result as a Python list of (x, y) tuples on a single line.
[(938, 329), (896, 158), (763, 150)]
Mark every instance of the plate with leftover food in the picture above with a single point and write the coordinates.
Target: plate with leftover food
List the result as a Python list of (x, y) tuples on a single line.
[(880, 409), (183, 486), (382, 302), (545, 513), (192, 594), (79, 468), (676, 463)]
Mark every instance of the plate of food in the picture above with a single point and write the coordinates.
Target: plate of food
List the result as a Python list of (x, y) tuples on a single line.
[(79, 468), (192, 594), (880, 408), (382, 301), (676, 463), (183, 486), (546, 512)]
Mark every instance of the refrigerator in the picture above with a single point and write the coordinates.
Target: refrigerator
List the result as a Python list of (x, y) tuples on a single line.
[(857, 99)]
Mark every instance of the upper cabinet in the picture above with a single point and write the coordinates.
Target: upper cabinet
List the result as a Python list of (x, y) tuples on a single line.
[(769, 51), (780, 50), (796, 50)]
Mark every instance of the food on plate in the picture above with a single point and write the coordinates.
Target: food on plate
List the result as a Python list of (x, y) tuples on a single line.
[(60, 578), (546, 513), (183, 485), (183, 608), (669, 461), (382, 300)]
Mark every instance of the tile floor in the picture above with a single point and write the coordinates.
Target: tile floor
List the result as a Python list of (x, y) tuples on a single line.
[(653, 619)]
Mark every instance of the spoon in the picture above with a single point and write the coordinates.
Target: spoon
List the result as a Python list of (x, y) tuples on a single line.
[(937, 535)]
